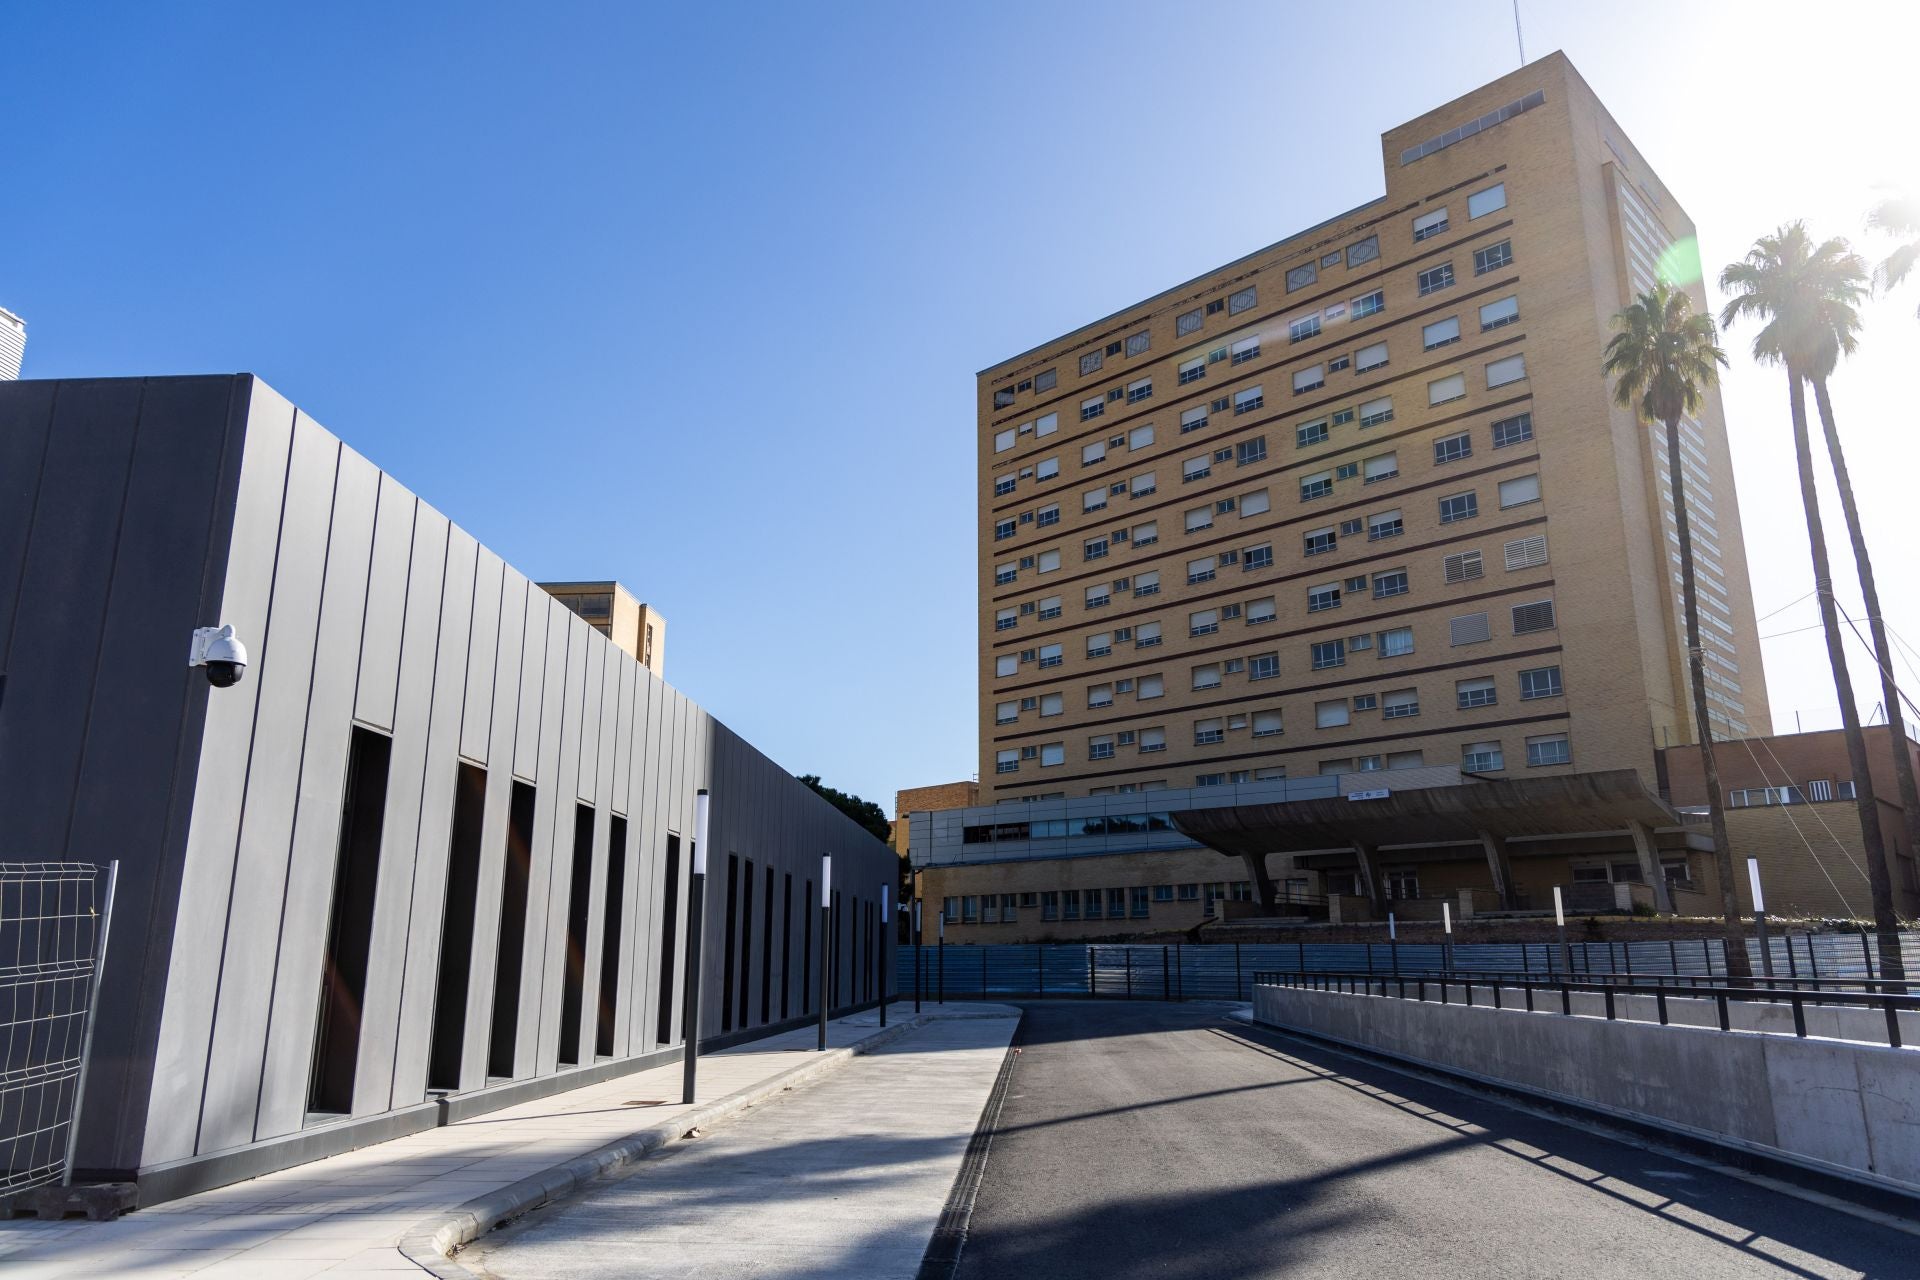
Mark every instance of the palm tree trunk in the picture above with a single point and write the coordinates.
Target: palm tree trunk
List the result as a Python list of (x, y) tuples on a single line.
[(1876, 622), (1737, 965), (1871, 840)]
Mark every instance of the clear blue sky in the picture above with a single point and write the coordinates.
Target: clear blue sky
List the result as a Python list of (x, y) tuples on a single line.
[(693, 296)]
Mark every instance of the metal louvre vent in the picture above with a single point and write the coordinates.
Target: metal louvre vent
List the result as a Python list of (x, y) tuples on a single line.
[(1470, 628), (1464, 566), (1533, 617), (1525, 553), (1442, 141)]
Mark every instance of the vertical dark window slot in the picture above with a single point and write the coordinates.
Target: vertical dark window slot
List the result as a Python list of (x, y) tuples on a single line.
[(836, 920), (806, 951), (766, 952), (726, 943), (356, 873), (746, 942), (579, 898), (873, 949), (610, 924), (669, 934), (516, 871), (456, 928), (786, 947)]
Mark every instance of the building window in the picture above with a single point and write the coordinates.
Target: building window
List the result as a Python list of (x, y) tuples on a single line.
[(1321, 541), (1138, 343), (1434, 279), (1336, 363), (1146, 584), (1007, 761), (1208, 732), (1548, 748), (1100, 748), (1361, 251), (1460, 506), (1002, 529), (1481, 757), (1049, 609), (1006, 619), (1512, 430), (1396, 642), (1482, 203), (1052, 655), (1094, 548), (1492, 258), (1375, 412), (1193, 419), (1537, 616), (1003, 574), (1201, 570), (1311, 433), (1453, 448), (1497, 315), (1249, 400), (1309, 380), (1370, 357), (1324, 597), (1263, 666), (1046, 380), (1189, 322), (1098, 596), (1242, 300), (1138, 897), (1539, 682), (1244, 350), (1372, 304), (1266, 724), (1140, 437), (1052, 704), (1203, 623), (1207, 676), (1387, 524), (1192, 370), (1502, 372), (1049, 514), (1318, 485), (1199, 518), (1260, 557), (1382, 466), (1094, 499), (1251, 451), (1256, 503), (1146, 635), (1006, 664), (1100, 645), (1469, 628), (1330, 715), (1519, 491), (1301, 330), (1004, 485), (1142, 485), (1053, 753), (1477, 692), (1329, 653), (1399, 704), (1099, 695), (1443, 390), (1428, 225), (1440, 333), (1526, 553), (1141, 389), (1463, 566), (1092, 408), (1152, 740)]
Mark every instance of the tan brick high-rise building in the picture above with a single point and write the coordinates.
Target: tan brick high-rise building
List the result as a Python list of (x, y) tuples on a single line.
[(1360, 499)]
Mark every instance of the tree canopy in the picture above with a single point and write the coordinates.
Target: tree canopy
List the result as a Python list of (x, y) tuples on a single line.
[(865, 812)]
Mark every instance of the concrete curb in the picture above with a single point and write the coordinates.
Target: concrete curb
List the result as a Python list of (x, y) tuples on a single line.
[(431, 1244)]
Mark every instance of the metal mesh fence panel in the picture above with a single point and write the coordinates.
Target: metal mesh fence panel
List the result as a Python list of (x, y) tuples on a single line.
[(52, 929)]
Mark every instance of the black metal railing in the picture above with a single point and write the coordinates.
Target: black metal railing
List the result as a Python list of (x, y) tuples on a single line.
[(1497, 991)]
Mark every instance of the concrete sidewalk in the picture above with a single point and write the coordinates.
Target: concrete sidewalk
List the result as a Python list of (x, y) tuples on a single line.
[(348, 1215), (847, 1177)]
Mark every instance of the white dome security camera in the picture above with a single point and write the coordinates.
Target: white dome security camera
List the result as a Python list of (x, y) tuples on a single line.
[(224, 657)]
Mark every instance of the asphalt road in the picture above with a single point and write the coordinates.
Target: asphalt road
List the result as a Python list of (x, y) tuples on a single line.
[(1169, 1141)]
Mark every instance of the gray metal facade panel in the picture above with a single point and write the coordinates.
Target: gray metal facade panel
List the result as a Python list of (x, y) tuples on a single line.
[(476, 717), (562, 779), (549, 837), (62, 624), (387, 591), (406, 794), (144, 709), (648, 710), (327, 727), (192, 969), (284, 667), (26, 418), (534, 671), (493, 839)]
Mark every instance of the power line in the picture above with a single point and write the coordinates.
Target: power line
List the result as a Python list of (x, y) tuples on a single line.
[(1885, 672), (1782, 609)]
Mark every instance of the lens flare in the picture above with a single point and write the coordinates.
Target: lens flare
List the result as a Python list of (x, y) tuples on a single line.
[(1680, 264)]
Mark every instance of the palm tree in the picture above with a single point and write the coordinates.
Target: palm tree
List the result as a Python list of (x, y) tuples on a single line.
[(1899, 216), (1663, 359), (1805, 296)]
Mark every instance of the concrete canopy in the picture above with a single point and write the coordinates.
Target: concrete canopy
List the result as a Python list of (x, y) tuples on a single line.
[(1505, 808)]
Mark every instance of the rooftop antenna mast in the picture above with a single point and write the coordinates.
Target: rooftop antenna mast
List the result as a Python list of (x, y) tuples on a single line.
[(1518, 37)]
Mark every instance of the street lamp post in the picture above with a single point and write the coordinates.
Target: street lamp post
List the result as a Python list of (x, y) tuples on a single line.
[(886, 951), (826, 927), (696, 897), (1760, 917), (940, 955), (1560, 921), (1446, 919), (918, 967)]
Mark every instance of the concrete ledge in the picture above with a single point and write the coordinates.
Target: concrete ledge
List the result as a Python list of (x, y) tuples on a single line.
[(1844, 1111), (431, 1244)]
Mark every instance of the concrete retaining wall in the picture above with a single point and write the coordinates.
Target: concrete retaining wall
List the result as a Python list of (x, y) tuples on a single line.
[(1845, 1107)]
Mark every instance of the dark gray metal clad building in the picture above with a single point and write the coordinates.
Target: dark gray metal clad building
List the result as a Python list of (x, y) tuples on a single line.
[(429, 857)]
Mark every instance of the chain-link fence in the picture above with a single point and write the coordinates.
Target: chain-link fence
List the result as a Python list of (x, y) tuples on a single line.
[(53, 937), (1224, 971)]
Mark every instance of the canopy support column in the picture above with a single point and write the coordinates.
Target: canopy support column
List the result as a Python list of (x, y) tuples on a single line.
[(1501, 869), (1650, 869)]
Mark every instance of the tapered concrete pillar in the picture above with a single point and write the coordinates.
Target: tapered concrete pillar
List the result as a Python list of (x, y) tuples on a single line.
[(1370, 879), (1650, 869), (1262, 879), (1501, 868)]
